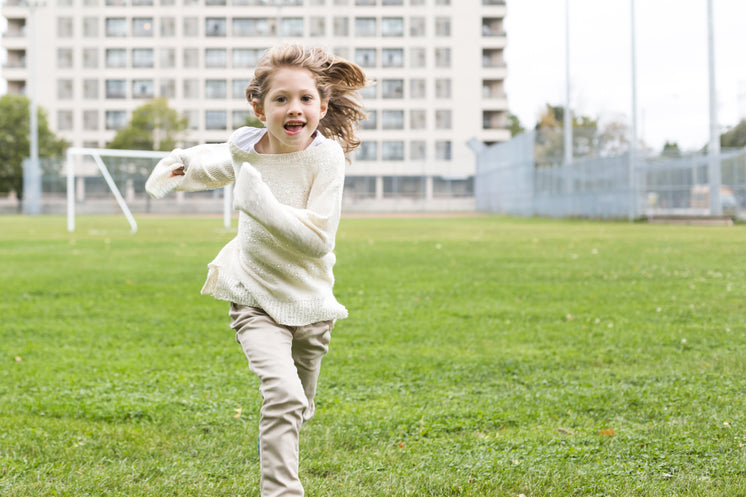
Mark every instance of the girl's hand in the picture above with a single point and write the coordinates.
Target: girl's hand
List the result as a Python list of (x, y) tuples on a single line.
[(179, 171)]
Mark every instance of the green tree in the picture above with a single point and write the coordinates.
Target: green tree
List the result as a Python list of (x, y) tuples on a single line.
[(734, 137), (671, 149), (514, 125), (254, 122), (14, 141), (153, 126)]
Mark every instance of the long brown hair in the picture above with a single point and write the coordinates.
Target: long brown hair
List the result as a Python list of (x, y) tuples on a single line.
[(337, 81)]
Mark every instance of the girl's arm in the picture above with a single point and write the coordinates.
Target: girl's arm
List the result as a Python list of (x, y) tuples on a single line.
[(203, 167), (311, 231)]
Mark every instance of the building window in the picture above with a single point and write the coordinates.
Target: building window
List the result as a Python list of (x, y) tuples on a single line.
[(90, 120), (116, 26), (365, 57), (116, 57), (341, 26), (443, 26), (443, 150), (215, 119), (167, 58), (143, 88), (417, 150), (360, 187), (392, 88), (191, 89), (392, 2), (246, 57), (190, 26), (192, 117), (370, 122), (90, 27), (216, 88), (365, 26), (168, 88), (142, 26), (64, 58), (116, 119), (443, 57), (238, 88), (318, 26), (90, 89), (417, 27), (239, 118), (443, 88), (417, 88), (191, 57), (216, 57), (417, 57), (116, 3), (64, 89), (392, 150), (369, 92), (392, 57), (417, 119), (215, 2), (90, 58), (64, 120), (168, 27), (392, 119), (142, 2), (447, 187), (215, 26), (403, 186), (392, 26), (116, 88), (143, 57), (64, 27), (250, 26), (365, 2), (368, 150), (291, 26), (442, 2), (443, 119)]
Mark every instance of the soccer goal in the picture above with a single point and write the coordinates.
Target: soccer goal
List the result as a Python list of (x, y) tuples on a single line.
[(131, 167)]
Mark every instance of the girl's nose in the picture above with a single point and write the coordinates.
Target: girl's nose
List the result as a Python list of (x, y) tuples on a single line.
[(295, 107)]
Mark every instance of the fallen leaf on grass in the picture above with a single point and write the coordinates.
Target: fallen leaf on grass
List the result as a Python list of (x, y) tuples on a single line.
[(565, 431), (609, 433), (18, 359), (238, 413)]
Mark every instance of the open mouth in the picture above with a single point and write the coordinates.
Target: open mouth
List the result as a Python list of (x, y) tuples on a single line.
[(294, 127)]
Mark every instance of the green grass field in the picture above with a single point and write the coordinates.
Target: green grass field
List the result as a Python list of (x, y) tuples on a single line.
[(483, 356)]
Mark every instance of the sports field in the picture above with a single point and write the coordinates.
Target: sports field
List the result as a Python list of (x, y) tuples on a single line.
[(483, 356)]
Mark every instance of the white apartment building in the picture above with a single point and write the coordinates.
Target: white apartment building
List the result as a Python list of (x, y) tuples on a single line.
[(438, 67)]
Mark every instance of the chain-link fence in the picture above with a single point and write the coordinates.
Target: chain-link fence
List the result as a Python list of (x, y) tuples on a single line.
[(520, 178)]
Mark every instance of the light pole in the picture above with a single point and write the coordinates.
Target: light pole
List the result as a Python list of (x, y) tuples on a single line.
[(633, 127), (32, 172), (713, 150), (567, 121)]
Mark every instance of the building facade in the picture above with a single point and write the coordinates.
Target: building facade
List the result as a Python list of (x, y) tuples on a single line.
[(437, 65)]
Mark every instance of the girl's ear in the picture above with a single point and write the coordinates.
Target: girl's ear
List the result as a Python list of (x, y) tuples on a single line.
[(324, 108), (258, 110)]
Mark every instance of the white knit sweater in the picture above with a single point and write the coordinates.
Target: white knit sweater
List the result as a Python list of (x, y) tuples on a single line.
[(289, 208)]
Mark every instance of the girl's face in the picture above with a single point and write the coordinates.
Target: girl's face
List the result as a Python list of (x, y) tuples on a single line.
[(291, 110)]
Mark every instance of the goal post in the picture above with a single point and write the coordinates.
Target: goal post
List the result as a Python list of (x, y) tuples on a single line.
[(98, 155)]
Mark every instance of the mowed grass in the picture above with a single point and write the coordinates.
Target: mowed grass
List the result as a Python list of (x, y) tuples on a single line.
[(483, 356)]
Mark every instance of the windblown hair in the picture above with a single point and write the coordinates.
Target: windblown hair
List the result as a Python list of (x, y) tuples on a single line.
[(337, 80)]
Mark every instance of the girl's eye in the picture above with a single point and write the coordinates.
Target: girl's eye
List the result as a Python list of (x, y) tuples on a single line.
[(280, 99), (307, 98)]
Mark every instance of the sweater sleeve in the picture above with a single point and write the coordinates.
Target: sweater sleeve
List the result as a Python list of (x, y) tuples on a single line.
[(312, 230), (205, 167)]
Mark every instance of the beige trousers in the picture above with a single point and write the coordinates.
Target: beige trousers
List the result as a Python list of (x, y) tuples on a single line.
[(286, 359)]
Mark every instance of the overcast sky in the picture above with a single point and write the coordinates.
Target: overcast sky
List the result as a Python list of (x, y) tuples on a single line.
[(672, 64)]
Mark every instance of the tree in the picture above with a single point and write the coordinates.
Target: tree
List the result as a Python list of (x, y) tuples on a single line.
[(15, 141), (153, 126), (514, 125), (734, 137), (254, 122), (671, 149)]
